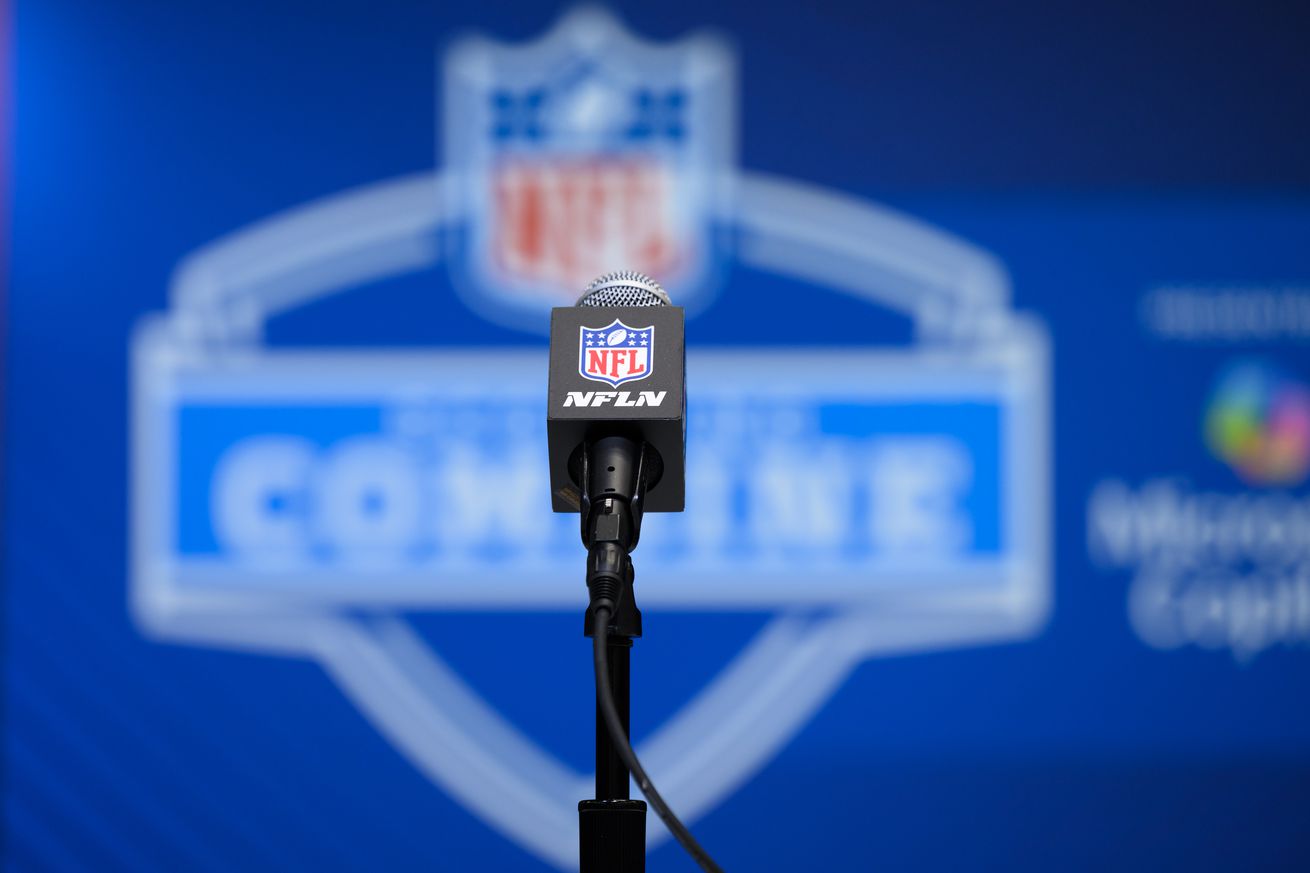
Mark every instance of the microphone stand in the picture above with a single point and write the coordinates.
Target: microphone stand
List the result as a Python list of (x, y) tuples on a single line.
[(612, 826)]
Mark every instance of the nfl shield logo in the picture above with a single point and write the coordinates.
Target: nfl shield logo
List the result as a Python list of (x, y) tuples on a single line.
[(586, 151), (616, 353)]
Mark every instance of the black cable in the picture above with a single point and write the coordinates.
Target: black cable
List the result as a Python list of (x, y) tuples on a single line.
[(605, 699)]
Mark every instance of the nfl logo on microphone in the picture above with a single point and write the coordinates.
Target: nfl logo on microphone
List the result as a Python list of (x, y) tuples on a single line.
[(615, 353)]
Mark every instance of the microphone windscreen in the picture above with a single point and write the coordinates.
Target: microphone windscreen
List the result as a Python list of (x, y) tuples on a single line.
[(624, 288)]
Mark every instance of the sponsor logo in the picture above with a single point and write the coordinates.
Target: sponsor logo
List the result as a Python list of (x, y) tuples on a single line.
[(616, 353), (1223, 572), (1220, 571), (1258, 423)]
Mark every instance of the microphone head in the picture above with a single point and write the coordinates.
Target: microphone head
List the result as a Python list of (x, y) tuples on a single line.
[(624, 288)]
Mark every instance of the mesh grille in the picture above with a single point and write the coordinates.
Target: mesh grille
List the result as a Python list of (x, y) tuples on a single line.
[(624, 288)]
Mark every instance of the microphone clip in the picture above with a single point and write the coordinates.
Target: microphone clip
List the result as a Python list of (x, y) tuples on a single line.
[(613, 473)]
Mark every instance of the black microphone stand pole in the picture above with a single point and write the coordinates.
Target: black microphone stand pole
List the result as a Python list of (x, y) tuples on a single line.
[(612, 827)]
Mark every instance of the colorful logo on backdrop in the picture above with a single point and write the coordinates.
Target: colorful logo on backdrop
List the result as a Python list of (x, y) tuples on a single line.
[(1258, 422), (594, 150), (308, 502), (616, 353), (1220, 569)]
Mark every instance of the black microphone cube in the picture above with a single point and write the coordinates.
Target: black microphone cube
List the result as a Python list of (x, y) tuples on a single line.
[(619, 371)]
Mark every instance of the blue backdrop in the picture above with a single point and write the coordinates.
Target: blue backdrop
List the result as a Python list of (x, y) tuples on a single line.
[(277, 296)]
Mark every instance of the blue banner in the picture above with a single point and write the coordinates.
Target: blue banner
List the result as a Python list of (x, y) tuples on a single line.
[(997, 544)]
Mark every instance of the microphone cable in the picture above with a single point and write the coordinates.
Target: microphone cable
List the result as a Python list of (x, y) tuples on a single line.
[(605, 699)]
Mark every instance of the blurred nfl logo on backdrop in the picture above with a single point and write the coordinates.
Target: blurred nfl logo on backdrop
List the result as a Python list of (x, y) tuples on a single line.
[(872, 500), (588, 151)]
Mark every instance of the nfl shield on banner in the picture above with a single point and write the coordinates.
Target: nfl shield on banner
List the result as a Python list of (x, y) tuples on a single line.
[(588, 151)]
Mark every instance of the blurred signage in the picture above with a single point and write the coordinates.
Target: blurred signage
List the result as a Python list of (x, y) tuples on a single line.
[(1223, 571), (587, 151), (874, 500)]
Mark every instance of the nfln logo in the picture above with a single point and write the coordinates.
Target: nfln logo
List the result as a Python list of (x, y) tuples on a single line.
[(617, 398), (616, 353)]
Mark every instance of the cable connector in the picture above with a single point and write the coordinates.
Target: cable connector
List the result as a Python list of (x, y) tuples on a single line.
[(612, 474), (609, 582)]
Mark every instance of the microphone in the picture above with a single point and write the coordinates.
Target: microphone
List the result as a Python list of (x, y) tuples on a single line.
[(616, 429), (617, 407)]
